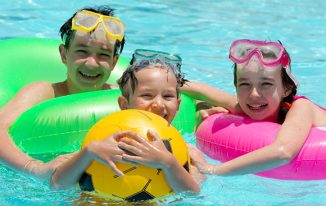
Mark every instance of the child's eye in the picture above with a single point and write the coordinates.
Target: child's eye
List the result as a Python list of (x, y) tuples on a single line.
[(265, 84), (169, 96), (81, 51), (243, 84), (146, 95), (105, 55)]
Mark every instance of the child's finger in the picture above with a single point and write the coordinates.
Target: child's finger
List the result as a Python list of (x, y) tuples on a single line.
[(130, 141), (118, 135), (208, 112), (137, 137), (152, 136), (130, 148), (130, 158), (114, 168), (137, 145), (203, 114)]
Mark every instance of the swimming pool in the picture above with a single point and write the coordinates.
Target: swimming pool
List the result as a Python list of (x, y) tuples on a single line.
[(201, 32)]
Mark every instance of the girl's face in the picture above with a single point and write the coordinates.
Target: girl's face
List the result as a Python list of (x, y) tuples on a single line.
[(260, 90)]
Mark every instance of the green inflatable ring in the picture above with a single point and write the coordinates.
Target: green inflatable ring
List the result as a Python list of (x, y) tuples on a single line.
[(59, 125)]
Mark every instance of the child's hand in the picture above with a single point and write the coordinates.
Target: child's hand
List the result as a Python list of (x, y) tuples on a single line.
[(150, 153), (197, 175), (43, 170), (107, 151), (196, 157), (208, 112)]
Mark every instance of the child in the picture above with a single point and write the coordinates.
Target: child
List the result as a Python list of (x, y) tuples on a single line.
[(92, 42), (151, 83), (266, 91)]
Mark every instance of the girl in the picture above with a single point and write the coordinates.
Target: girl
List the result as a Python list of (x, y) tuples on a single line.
[(266, 90)]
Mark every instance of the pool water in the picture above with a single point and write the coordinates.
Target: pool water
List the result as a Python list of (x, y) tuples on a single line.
[(201, 32)]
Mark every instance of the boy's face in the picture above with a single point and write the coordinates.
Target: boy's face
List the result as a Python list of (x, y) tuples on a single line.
[(156, 92), (89, 61)]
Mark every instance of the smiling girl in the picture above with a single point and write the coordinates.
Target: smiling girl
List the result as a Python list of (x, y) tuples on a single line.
[(266, 91)]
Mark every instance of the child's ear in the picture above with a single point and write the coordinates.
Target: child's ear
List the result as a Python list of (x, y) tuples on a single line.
[(287, 92), (179, 102), (63, 53), (115, 60), (123, 102)]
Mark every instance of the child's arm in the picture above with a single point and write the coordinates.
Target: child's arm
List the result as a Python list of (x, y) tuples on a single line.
[(29, 96), (212, 95), (105, 151), (286, 146), (154, 154)]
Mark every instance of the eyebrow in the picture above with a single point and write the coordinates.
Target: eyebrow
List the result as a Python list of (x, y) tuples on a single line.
[(268, 79), (242, 79), (264, 78), (86, 46), (81, 45)]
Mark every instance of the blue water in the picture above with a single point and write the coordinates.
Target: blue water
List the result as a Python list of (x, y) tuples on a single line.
[(201, 32)]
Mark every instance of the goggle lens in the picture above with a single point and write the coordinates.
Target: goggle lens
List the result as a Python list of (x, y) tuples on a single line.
[(84, 20), (270, 53), (89, 21), (150, 54), (147, 57), (113, 27)]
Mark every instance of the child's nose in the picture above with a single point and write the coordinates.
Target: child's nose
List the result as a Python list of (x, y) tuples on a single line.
[(157, 106), (91, 61), (254, 92), (157, 103)]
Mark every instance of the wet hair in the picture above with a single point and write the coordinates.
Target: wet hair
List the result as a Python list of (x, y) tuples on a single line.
[(129, 80), (288, 84), (67, 34)]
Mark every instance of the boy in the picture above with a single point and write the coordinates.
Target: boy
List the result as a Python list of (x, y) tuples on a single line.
[(151, 83), (93, 40)]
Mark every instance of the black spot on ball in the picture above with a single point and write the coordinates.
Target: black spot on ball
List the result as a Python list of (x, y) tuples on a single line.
[(86, 183)]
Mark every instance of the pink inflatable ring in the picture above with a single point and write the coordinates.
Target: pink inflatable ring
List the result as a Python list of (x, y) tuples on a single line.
[(224, 137)]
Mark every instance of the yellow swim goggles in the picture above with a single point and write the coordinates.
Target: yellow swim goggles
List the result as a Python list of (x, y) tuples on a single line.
[(88, 21)]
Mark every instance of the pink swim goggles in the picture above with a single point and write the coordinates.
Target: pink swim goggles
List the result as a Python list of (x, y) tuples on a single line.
[(268, 53)]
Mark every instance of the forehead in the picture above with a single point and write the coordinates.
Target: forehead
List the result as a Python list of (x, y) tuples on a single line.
[(156, 73), (89, 40), (258, 72)]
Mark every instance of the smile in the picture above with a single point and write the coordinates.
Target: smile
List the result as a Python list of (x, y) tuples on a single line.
[(164, 116), (89, 76), (257, 107)]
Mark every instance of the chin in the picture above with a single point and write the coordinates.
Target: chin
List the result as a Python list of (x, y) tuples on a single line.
[(269, 118), (257, 117)]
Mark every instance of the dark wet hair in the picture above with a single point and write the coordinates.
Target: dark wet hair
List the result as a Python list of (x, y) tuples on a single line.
[(67, 34), (288, 84), (128, 77)]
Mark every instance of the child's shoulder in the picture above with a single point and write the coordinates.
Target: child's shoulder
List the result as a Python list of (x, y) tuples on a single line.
[(305, 104), (37, 88), (304, 101)]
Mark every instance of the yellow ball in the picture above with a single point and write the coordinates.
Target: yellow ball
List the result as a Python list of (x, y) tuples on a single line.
[(141, 182)]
